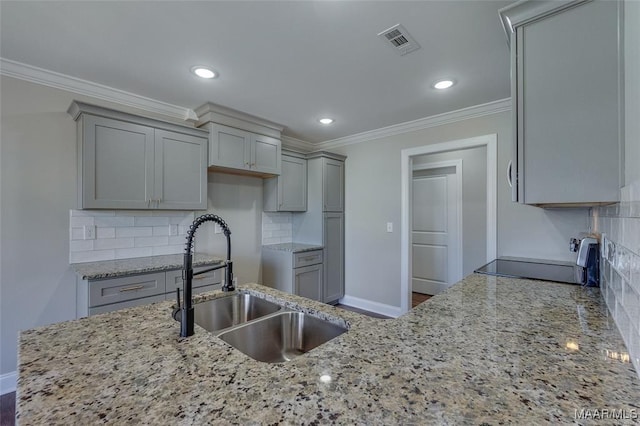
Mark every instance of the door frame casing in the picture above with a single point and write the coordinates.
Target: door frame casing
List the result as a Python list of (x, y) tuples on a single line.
[(406, 157), (458, 221)]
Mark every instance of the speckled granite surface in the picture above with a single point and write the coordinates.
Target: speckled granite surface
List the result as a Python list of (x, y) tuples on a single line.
[(489, 350), (293, 247), (137, 265)]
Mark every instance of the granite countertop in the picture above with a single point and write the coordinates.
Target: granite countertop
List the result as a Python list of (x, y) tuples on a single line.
[(293, 247), (138, 265), (489, 350)]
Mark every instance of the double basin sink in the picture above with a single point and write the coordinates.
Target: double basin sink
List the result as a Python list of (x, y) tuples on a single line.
[(263, 330)]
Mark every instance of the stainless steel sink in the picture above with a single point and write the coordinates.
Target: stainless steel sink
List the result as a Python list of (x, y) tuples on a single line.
[(217, 314), (281, 337)]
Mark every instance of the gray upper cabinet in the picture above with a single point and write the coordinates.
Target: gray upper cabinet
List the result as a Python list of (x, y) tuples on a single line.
[(131, 162), (236, 150), (287, 192), (179, 164), (568, 98), (333, 185)]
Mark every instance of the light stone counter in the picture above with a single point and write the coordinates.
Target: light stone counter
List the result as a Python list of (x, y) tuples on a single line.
[(489, 350), (138, 265), (293, 247)]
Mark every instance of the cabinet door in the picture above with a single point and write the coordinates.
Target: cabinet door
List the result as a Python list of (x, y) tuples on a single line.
[(265, 154), (292, 185), (333, 185), (568, 89), (127, 304), (308, 282), (229, 147), (333, 242), (180, 171), (117, 164)]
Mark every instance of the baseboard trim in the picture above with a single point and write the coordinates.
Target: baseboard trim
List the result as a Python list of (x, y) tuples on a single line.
[(368, 305), (8, 382)]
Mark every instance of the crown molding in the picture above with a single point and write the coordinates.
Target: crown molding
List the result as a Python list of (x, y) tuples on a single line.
[(476, 111), (294, 144), (57, 80)]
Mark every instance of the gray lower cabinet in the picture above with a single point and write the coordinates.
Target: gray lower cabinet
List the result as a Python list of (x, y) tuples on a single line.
[(298, 273), (111, 294), (333, 241), (287, 192), (240, 151), (307, 281), (567, 91), (131, 162)]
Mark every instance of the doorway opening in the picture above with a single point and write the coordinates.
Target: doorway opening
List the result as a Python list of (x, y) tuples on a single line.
[(427, 232)]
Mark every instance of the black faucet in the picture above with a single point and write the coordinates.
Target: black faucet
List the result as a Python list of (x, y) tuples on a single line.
[(186, 317)]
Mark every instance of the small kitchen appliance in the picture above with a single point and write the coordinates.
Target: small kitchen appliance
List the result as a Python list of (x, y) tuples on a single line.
[(588, 261)]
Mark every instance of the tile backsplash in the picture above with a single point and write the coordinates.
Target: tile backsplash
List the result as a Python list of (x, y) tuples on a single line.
[(121, 234), (277, 228), (620, 273)]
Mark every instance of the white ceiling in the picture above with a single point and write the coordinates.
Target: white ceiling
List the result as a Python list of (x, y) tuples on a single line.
[(287, 62)]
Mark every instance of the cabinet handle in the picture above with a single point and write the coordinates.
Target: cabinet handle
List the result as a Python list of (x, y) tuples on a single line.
[(199, 278), (509, 172), (309, 258), (134, 288)]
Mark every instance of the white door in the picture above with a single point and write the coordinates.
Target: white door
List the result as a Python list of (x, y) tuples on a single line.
[(436, 229)]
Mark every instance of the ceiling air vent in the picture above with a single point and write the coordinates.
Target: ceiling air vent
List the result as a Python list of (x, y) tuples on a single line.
[(400, 39)]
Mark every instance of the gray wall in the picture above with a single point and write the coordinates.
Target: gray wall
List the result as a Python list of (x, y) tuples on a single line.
[(474, 202), (632, 94), (38, 188), (372, 264)]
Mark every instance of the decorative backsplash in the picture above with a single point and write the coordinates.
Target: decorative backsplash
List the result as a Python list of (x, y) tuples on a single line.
[(277, 228), (620, 275), (109, 234)]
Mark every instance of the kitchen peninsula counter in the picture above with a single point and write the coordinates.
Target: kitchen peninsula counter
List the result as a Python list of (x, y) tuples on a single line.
[(488, 350)]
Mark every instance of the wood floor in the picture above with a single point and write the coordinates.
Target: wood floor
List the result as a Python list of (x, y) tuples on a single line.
[(8, 400), (8, 409)]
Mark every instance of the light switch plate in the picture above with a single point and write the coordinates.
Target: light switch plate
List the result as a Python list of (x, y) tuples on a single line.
[(217, 229), (389, 226), (89, 232)]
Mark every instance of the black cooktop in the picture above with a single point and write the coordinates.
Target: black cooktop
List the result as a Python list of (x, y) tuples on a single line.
[(531, 269)]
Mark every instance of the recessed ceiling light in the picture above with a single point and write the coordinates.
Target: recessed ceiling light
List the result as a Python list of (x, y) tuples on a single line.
[(204, 72), (326, 120), (443, 84)]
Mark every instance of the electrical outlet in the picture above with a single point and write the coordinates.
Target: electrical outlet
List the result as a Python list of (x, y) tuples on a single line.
[(89, 232), (217, 229), (389, 226)]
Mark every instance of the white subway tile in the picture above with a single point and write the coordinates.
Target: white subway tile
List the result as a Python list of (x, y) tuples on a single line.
[(171, 213), (631, 303), (151, 241), (182, 230), (114, 221), (77, 233), (134, 231), (113, 243), (175, 249), (187, 220), (271, 227), (176, 220), (81, 245), (177, 239), (133, 252), (161, 230), (80, 221), (151, 221), (109, 232), (91, 256)]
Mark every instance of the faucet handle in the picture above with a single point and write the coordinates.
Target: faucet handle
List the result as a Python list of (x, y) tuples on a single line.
[(176, 311)]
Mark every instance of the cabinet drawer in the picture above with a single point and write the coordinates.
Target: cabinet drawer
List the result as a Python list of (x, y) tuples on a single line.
[(307, 258), (128, 304), (174, 278), (105, 292)]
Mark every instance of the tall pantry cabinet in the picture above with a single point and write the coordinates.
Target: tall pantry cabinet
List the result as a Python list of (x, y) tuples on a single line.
[(323, 222)]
